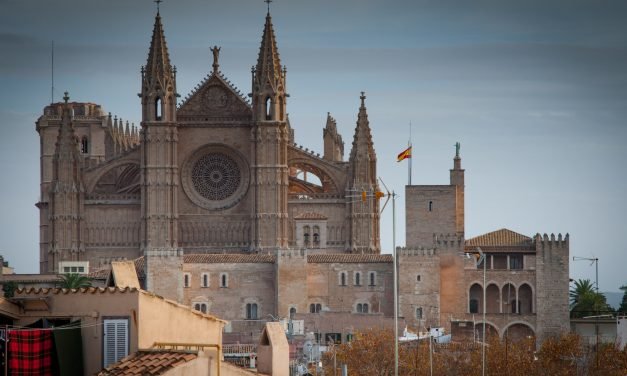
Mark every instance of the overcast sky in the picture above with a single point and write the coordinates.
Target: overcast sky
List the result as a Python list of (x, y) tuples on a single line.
[(535, 91)]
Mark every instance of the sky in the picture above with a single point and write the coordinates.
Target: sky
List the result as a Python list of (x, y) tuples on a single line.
[(535, 92)]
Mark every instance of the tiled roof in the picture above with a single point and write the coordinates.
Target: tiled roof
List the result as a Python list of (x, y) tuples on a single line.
[(83, 290), (221, 258), (149, 362), (500, 238), (310, 215), (31, 278), (103, 273), (348, 258)]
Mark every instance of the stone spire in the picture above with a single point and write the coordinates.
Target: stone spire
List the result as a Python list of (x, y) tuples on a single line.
[(66, 195), (158, 80), (268, 70), (158, 64), (363, 147), (364, 215), (268, 91)]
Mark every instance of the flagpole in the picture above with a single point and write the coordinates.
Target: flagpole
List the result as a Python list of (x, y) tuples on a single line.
[(410, 158)]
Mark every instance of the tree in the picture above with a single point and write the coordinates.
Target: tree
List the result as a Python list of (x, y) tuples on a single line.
[(9, 289), (623, 304), (586, 301), (74, 281)]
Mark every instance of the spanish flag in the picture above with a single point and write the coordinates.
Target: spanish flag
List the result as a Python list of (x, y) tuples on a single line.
[(404, 154)]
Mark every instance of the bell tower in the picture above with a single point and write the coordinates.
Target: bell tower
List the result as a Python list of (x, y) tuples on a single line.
[(159, 170), (270, 135)]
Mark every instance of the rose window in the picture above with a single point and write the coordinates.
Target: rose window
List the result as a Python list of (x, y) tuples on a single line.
[(215, 176)]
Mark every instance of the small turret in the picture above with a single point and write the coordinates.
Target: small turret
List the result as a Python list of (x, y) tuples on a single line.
[(333, 144)]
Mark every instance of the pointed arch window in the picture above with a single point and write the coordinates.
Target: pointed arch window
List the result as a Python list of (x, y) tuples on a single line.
[(158, 108), (268, 108), (84, 145)]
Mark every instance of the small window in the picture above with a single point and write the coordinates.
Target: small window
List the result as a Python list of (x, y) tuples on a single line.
[(66, 269), (430, 205), (158, 109), (197, 306), (318, 308), (474, 306), (349, 337), (516, 262), (360, 308), (316, 240), (268, 108), (342, 279), (224, 280), (74, 269), (251, 311), (373, 279), (357, 279), (81, 269), (292, 313), (419, 313), (365, 307), (205, 280), (315, 308), (84, 145), (186, 278), (418, 278)]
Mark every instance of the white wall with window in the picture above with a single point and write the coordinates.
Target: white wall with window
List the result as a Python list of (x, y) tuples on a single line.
[(74, 267)]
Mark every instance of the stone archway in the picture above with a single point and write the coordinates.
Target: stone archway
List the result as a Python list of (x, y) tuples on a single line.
[(525, 299), (493, 299), (475, 299), (490, 331), (518, 331)]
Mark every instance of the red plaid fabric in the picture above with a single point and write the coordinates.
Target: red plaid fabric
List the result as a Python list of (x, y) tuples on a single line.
[(30, 352)]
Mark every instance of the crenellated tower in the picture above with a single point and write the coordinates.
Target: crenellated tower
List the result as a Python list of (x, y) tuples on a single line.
[(66, 195), (363, 214), (333, 144), (159, 169), (270, 136)]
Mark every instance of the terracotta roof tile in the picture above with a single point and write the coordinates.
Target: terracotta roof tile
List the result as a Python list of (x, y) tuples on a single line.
[(500, 238), (221, 258), (310, 215), (348, 258), (83, 290), (149, 362)]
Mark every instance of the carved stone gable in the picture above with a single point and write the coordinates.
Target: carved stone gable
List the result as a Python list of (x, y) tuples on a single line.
[(214, 99)]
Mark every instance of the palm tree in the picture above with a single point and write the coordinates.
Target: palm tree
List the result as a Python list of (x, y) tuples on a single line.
[(586, 301), (74, 281), (582, 287)]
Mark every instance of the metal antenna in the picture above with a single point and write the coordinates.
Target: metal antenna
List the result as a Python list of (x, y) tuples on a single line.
[(268, 2), (158, 2)]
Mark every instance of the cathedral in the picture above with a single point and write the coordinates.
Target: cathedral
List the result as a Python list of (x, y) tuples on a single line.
[(223, 211)]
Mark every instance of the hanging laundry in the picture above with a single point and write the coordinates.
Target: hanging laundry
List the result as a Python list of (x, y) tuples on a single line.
[(30, 352)]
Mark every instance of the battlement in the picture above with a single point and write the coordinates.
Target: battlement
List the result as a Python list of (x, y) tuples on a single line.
[(448, 241), (551, 241), (416, 252)]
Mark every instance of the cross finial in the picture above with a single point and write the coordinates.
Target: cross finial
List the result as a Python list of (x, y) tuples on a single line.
[(66, 96), (158, 2), (268, 2), (363, 98)]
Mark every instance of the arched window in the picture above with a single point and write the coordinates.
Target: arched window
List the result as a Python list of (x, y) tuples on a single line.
[(186, 278), (306, 235), (224, 280), (205, 280), (342, 279), (418, 278), (292, 313), (316, 236), (365, 307), (360, 308), (197, 306), (312, 308), (373, 278), (357, 279), (268, 108), (419, 313), (475, 296), (430, 205), (158, 108), (84, 145), (318, 308), (251, 311), (203, 308)]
